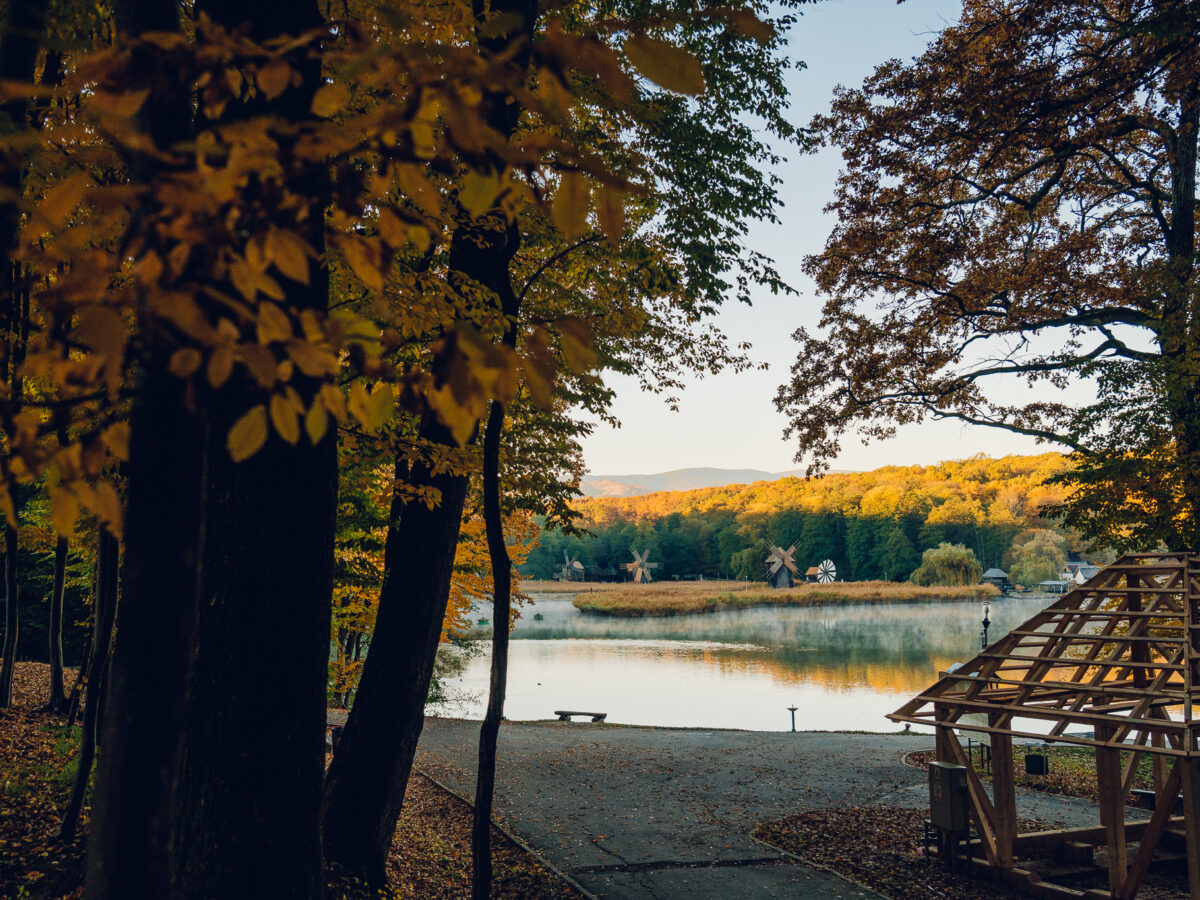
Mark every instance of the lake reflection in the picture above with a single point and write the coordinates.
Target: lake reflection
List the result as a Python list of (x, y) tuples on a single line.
[(843, 666)]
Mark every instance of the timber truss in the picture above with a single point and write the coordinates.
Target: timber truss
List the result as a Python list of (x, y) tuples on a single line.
[(1114, 665)]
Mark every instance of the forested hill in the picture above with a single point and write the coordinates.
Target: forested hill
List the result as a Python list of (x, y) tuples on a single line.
[(872, 524)]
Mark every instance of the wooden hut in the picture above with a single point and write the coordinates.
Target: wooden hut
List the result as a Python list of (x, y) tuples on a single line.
[(1115, 665), (999, 578)]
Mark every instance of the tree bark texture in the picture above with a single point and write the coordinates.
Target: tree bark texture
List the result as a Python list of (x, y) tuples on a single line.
[(128, 847), (247, 801), (107, 561), (58, 693)]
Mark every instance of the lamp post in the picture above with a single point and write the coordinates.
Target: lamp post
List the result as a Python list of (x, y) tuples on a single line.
[(987, 620), (792, 710)]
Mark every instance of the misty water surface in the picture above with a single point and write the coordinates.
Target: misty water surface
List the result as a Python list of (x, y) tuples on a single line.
[(844, 667)]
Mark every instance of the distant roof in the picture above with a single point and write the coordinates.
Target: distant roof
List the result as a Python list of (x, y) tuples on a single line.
[(812, 570), (995, 573)]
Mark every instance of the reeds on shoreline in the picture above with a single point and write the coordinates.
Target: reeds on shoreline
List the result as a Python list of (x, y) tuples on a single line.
[(695, 597)]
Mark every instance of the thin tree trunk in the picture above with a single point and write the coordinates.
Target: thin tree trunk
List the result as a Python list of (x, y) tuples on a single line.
[(74, 700), (489, 732), (12, 618), (107, 560), (365, 785), (58, 694), (364, 788)]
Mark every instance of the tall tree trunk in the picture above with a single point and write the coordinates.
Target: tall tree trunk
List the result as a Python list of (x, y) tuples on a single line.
[(489, 732), (12, 618), (247, 801), (107, 560), (364, 788), (127, 855), (76, 696), (365, 785), (58, 694)]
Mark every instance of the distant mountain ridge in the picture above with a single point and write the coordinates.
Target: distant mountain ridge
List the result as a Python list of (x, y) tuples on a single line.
[(675, 480)]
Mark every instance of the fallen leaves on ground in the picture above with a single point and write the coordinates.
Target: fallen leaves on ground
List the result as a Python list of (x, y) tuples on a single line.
[(880, 847), (430, 857)]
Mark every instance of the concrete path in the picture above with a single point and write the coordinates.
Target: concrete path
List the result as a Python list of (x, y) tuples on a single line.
[(667, 813)]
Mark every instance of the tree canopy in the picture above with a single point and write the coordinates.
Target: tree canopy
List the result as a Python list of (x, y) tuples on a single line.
[(1019, 203)]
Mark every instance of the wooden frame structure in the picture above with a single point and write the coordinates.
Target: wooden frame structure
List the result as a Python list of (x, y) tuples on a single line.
[(1114, 664)]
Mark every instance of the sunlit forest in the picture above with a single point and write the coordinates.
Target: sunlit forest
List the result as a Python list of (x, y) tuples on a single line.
[(873, 525)]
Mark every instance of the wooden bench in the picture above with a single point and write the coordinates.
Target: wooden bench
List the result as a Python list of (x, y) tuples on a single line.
[(564, 715)]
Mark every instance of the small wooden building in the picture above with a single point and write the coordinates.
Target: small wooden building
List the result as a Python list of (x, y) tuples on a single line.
[(999, 578), (1115, 665)]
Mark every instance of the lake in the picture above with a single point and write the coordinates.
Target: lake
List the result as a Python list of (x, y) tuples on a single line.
[(844, 666)]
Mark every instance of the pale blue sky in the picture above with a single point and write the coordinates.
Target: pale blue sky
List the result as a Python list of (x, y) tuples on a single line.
[(730, 421)]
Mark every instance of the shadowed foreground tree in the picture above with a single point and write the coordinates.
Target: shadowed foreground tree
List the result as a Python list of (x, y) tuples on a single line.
[(1023, 198)]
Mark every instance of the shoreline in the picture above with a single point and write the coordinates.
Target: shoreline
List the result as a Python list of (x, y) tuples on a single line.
[(675, 599)]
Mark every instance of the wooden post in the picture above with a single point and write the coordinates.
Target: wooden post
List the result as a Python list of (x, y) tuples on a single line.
[(1191, 815), (944, 753), (1004, 794), (1112, 807)]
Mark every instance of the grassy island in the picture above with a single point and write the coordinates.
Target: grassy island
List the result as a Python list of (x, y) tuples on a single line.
[(691, 597)]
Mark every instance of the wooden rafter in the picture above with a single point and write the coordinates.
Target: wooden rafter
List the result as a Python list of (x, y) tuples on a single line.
[(1115, 665)]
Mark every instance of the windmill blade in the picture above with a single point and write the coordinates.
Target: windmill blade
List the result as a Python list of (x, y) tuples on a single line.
[(826, 572), (651, 565)]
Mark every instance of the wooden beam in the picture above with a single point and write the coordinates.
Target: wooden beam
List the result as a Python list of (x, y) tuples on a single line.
[(1150, 837), (1112, 809), (1191, 819), (1038, 843), (1004, 796), (984, 811)]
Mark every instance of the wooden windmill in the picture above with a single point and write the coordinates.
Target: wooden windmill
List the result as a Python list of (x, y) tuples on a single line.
[(639, 567), (826, 572), (1113, 665), (572, 569), (781, 567)]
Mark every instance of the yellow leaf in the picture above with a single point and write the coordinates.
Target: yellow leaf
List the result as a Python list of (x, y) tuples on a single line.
[(248, 434), (478, 191), (571, 205), (358, 405), (273, 324), (6, 506), (330, 100), (116, 439), (289, 252), (610, 210), (184, 362), (363, 257), (284, 418), (220, 365), (312, 359), (334, 401), (577, 345), (665, 64), (420, 237), (379, 405), (414, 184), (261, 362), (149, 268), (274, 78), (750, 25), (316, 421), (64, 509), (62, 199)]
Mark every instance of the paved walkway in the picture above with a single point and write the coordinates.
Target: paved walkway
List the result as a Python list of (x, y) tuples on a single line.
[(667, 813)]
